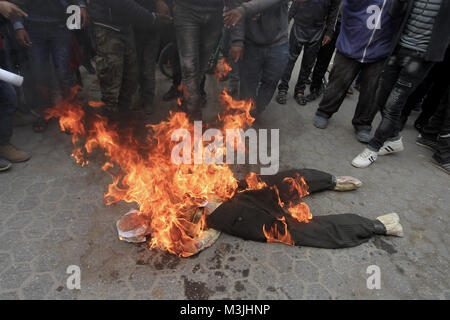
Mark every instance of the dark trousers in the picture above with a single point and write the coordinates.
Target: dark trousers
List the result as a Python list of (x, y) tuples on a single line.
[(438, 128), (429, 92), (50, 39), (8, 102), (309, 57), (341, 77), (197, 35), (147, 49), (323, 61), (402, 74), (261, 69), (247, 213)]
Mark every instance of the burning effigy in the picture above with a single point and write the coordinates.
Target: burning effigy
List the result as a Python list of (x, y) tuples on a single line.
[(183, 207)]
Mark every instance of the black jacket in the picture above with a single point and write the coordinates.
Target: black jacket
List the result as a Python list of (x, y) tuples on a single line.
[(315, 14), (120, 14), (440, 38)]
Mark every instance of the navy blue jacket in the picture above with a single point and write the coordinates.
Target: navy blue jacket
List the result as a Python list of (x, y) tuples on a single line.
[(360, 37), (37, 12)]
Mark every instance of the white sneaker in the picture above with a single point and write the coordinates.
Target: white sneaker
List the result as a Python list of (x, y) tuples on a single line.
[(365, 158), (391, 147)]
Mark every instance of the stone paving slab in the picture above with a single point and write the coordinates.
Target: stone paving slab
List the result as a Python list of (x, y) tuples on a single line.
[(52, 215)]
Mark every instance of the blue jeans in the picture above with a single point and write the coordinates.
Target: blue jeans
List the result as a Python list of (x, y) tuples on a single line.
[(50, 39), (261, 69), (8, 103)]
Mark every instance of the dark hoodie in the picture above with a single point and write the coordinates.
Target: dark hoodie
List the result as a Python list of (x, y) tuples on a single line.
[(314, 18), (265, 24)]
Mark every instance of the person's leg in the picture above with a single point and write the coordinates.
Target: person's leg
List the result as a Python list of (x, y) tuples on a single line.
[(109, 64), (174, 90), (341, 77), (416, 98), (436, 133), (8, 100), (413, 71), (147, 48), (323, 61), (274, 61), (441, 158), (141, 44), (60, 46), (295, 48), (210, 37), (366, 109), (233, 82), (8, 105), (432, 129), (432, 100), (308, 60), (130, 72), (39, 55), (251, 66), (188, 28)]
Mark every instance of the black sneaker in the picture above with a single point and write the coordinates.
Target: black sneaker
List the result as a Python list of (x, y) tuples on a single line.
[(443, 166), (427, 143), (313, 95)]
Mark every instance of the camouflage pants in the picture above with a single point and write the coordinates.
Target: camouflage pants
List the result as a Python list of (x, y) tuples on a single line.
[(116, 65)]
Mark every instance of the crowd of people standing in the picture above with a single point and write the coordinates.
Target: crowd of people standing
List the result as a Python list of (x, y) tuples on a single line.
[(397, 51)]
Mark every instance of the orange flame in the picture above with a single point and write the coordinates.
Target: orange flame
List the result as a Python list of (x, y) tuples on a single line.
[(222, 69), (142, 172), (96, 104), (275, 236), (167, 193)]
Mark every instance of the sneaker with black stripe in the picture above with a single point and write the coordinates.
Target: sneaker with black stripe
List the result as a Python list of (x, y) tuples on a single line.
[(391, 147), (365, 158), (427, 143)]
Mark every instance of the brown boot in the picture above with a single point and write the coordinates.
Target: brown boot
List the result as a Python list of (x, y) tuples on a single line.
[(12, 154)]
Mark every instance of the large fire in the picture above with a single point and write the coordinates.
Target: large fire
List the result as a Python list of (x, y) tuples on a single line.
[(167, 193)]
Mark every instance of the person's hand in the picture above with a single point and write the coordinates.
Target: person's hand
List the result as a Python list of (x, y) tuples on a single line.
[(236, 53), (163, 19), (11, 11), (23, 38), (84, 18), (232, 17), (326, 40), (162, 8)]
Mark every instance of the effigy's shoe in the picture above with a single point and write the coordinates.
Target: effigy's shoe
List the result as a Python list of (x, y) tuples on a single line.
[(347, 183), (392, 224)]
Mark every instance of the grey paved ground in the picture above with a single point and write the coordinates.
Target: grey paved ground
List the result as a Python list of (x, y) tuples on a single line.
[(52, 215)]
